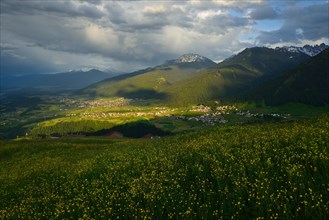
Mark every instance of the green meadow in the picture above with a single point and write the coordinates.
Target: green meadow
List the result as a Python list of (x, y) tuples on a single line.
[(109, 111), (264, 170)]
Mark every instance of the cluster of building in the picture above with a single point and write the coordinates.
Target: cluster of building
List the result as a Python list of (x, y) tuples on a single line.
[(68, 103), (226, 108), (217, 117), (207, 119), (207, 116), (200, 108), (248, 114), (210, 119), (119, 114), (105, 103)]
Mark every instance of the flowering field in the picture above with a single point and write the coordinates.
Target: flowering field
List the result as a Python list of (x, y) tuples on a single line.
[(264, 171)]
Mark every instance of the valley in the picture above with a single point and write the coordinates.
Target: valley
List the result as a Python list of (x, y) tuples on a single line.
[(180, 109), (60, 116), (188, 139), (180, 95)]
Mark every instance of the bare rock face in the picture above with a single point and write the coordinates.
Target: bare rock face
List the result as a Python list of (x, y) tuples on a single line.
[(191, 58), (307, 49)]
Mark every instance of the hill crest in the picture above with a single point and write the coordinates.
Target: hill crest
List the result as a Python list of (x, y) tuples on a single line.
[(306, 49), (190, 58)]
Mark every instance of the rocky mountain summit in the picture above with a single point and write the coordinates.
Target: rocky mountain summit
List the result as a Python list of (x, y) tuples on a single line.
[(191, 58), (307, 49)]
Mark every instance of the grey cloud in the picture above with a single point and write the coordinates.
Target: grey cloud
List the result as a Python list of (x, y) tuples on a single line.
[(17, 62), (9, 51), (273, 37), (131, 21), (223, 4), (52, 34), (44, 31), (138, 36), (63, 8), (154, 17), (116, 13), (264, 12), (177, 17), (7, 46), (142, 17), (309, 23), (135, 35), (221, 24), (228, 21)]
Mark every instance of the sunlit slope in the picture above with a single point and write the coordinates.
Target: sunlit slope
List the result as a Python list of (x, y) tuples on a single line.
[(148, 84), (233, 76), (175, 85), (307, 83), (192, 83), (210, 84)]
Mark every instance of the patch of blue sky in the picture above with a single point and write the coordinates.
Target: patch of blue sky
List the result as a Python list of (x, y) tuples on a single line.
[(235, 13), (268, 25)]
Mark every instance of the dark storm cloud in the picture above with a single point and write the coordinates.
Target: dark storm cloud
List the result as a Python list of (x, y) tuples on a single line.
[(63, 8), (145, 17), (116, 13), (264, 12), (223, 4), (130, 21), (13, 61), (135, 34), (308, 23), (46, 32), (9, 67), (222, 23), (7, 47), (128, 32)]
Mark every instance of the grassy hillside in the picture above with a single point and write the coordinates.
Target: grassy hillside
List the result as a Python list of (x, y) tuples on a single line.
[(189, 83), (211, 84), (264, 61), (146, 84), (176, 86), (256, 171), (307, 83)]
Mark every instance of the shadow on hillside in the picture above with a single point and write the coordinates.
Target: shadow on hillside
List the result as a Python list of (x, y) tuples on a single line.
[(142, 94), (137, 129)]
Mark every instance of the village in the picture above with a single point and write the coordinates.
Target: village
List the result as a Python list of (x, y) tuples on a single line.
[(123, 110), (199, 113)]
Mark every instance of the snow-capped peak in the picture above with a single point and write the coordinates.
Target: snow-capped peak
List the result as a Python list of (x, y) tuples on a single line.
[(307, 49), (190, 58), (314, 50)]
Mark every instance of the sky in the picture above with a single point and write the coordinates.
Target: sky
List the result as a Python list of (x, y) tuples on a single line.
[(48, 36)]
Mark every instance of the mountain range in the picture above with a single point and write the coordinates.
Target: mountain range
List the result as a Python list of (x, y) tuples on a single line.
[(75, 79), (191, 59), (193, 79), (306, 83), (152, 83), (274, 75), (307, 49)]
